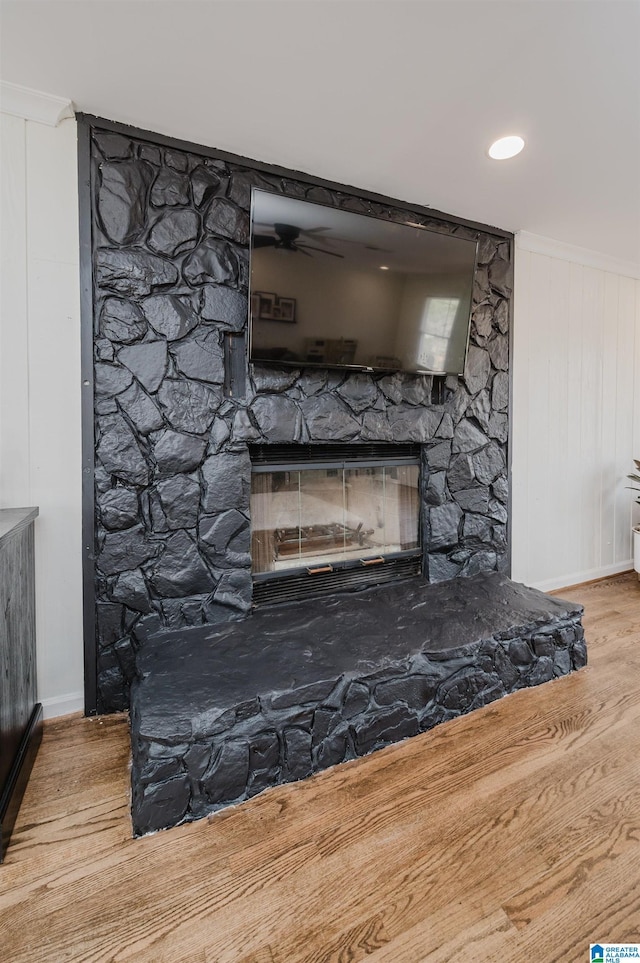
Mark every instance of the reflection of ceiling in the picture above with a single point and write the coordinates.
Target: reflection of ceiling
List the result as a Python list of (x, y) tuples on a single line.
[(398, 97), (407, 249)]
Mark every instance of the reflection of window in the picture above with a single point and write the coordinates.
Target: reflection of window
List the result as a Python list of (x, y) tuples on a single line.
[(436, 327)]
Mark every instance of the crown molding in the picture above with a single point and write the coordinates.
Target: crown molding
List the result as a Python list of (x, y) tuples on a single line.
[(34, 104), (549, 247)]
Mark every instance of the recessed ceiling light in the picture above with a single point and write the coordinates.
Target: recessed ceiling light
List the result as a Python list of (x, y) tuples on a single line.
[(383, 267), (506, 147)]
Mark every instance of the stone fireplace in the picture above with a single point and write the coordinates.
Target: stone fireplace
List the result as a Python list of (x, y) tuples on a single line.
[(173, 411)]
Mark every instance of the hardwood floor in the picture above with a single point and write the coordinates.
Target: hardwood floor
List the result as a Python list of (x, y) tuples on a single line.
[(511, 835)]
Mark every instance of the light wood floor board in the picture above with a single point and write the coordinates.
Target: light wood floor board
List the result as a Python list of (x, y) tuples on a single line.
[(511, 834)]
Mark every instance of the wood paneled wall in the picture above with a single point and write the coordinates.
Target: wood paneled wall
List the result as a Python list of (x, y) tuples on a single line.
[(576, 414)]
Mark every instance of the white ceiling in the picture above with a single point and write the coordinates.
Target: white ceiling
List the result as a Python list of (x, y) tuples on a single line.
[(402, 98)]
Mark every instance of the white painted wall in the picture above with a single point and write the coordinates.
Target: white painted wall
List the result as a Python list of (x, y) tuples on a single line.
[(576, 412), (40, 455)]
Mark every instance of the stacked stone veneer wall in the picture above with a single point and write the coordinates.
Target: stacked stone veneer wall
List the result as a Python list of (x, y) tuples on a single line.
[(170, 264)]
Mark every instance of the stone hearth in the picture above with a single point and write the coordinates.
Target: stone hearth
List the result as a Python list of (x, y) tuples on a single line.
[(222, 713)]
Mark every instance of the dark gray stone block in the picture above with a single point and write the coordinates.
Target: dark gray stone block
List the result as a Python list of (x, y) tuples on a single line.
[(275, 380), (170, 316), (175, 232), (483, 319), (436, 493), (499, 352), (113, 146), (439, 456), (440, 568), (179, 570), (234, 590), (359, 392), (189, 405), (130, 589), (122, 321), (122, 551), (170, 189), (297, 754), (228, 531), (477, 369), (122, 199), (473, 499), (206, 182), (445, 524), (500, 276), (176, 452), (147, 362), (212, 260), (390, 725), (226, 778), (141, 411), (225, 306), (328, 419), (480, 409), (180, 498), (460, 475), (468, 437), (227, 482), (500, 391), (132, 272), (264, 750), (413, 424), (499, 426), (415, 691), (118, 508), (376, 427), (489, 463), (111, 379), (226, 219), (200, 356), (119, 452), (277, 417)]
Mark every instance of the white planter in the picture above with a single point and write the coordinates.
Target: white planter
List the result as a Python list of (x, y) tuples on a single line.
[(636, 548)]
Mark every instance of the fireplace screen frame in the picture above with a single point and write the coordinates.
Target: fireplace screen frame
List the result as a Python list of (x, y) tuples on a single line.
[(304, 581)]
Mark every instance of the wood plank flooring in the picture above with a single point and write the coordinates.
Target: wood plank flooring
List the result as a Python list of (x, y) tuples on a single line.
[(510, 835)]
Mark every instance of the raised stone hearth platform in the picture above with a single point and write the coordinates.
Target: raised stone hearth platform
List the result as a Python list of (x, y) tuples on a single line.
[(220, 713)]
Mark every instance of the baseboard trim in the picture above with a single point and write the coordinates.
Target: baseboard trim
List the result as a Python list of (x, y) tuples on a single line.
[(579, 578), (18, 776), (63, 705)]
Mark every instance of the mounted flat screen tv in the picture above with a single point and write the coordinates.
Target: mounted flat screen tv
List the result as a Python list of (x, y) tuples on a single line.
[(333, 289)]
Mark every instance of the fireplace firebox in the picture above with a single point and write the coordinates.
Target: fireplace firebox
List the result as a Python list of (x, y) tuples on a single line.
[(333, 516)]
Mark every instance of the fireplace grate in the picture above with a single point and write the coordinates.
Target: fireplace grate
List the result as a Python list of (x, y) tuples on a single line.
[(303, 454), (304, 586)]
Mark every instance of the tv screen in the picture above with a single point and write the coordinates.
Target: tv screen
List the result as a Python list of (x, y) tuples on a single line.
[(334, 289)]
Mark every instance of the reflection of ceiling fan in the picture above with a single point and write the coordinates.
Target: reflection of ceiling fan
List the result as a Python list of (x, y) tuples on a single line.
[(286, 239)]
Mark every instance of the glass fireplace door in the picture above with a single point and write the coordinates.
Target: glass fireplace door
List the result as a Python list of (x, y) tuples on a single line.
[(314, 518)]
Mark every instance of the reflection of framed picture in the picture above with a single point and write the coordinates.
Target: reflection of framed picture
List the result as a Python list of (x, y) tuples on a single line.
[(287, 310), (266, 305)]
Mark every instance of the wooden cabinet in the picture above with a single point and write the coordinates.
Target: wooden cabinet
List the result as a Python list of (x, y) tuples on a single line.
[(20, 713)]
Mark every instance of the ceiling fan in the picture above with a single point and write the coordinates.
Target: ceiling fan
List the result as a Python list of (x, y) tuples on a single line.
[(286, 239)]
